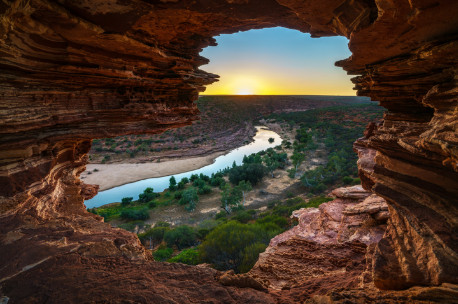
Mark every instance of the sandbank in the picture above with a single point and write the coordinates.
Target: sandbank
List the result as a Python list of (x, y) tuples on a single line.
[(113, 175)]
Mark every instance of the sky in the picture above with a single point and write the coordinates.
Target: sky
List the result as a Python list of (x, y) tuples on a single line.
[(277, 61)]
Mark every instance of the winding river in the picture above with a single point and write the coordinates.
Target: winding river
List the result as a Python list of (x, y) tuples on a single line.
[(159, 184)]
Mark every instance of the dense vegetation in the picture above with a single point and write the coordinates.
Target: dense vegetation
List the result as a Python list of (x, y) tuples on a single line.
[(335, 127), (220, 116), (235, 236), (227, 241)]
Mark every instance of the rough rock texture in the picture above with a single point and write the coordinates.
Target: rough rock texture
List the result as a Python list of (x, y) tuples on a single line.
[(76, 70), (326, 250)]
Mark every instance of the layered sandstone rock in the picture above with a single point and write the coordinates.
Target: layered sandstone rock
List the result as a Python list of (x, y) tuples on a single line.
[(326, 250), (76, 70)]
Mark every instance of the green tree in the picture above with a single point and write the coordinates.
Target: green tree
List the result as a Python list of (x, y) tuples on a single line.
[(147, 195), (181, 185), (225, 246), (252, 172), (271, 164), (271, 140), (244, 187), (182, 237), (172, 184), (297, 158), (126, 201), (302, 136), (230, 197), (189, 198), (206, 189), (199, 183)]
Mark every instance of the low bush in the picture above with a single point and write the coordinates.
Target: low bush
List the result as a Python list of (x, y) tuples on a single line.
[(162, 255), (187, 256), (126, 201), (181, 237), (132, 214)]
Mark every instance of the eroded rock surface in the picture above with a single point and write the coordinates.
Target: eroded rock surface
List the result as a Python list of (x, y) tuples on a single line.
[(326, 250), (72, 71)]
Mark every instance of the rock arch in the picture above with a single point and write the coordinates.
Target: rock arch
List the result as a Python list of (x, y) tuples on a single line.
[(74, 71)]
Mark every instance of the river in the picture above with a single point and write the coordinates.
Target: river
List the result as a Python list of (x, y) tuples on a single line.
[(159, 184)]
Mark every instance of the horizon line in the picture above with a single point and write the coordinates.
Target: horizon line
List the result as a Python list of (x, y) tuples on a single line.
[(280, 95)]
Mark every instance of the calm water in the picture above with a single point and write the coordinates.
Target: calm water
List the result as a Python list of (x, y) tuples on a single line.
[(261, 142)]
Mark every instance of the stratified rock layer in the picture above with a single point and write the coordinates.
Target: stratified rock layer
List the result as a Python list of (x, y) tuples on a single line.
[(326, 250), (72, 71)]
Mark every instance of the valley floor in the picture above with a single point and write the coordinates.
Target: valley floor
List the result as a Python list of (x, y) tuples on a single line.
[(112, 175)]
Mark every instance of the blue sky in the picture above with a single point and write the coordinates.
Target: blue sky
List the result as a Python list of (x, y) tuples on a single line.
[(278, 61)]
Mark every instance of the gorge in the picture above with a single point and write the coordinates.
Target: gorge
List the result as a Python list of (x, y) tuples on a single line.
[(76, 71)]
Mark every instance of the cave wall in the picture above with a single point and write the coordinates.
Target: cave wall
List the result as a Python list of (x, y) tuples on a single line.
[(71, 71)]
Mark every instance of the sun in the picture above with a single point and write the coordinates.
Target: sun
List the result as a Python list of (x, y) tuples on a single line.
[(245, 91), (246, 84)]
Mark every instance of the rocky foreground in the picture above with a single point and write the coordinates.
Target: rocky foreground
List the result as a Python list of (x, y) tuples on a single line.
[(72, 71)]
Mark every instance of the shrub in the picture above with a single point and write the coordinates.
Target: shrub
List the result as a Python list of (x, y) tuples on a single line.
[(126, 201), (128, 226), (155, 235), (204, 177), (172, 184), (318, 200), (147, 195), (347, 180), (250, 256), (182, 237), (275, 219), (204, 190), (220, 215), (178, 195), (242, 217), (152, 204), (224, 247), (187, 256), (252, 172), (162, 254), (217, 181), (131, 214), (272, 204), (202, 233), (291, 173), (199, 183), (189, 198)]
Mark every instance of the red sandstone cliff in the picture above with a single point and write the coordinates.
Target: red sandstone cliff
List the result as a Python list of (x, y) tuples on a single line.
[(72, 71)]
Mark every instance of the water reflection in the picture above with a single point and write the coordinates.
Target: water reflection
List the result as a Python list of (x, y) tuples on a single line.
[(261, 142)]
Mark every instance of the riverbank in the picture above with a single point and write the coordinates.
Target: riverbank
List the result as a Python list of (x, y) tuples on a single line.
[(108, 176), (226, 122)]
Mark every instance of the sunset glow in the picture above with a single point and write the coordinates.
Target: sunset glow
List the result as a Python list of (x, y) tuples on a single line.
[(277, 61), (246, 91)]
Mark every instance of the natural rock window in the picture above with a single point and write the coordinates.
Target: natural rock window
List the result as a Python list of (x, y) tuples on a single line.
[(72, 72)]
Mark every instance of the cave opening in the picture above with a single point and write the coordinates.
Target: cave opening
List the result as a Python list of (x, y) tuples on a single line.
[(281, 110), (73, 72)]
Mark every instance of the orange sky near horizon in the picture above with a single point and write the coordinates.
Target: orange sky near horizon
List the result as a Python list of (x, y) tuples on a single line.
[(277, 61)]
